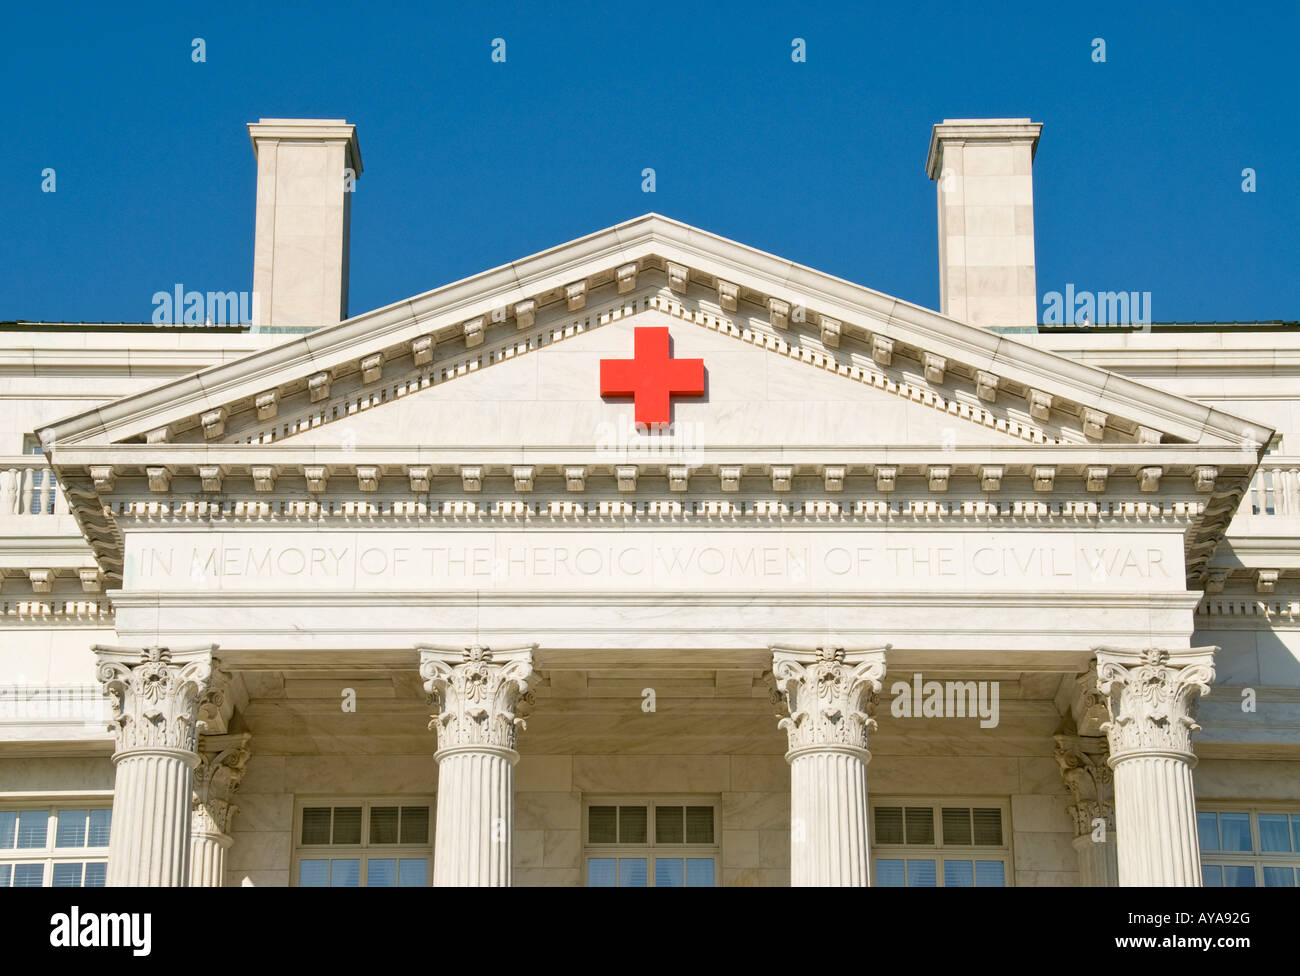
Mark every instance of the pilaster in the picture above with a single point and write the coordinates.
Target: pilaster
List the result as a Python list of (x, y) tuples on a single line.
[(222, 759), (1087, 774)]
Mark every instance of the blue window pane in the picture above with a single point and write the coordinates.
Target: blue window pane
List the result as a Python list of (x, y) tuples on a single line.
[(958, 874), (8, 828), (668, 872), (699, 872), (1295, 832), (600, 872), (990, 874), (1274, 832), (29, 875), (313, 874), (101, 822), (381, 872), (1211, 876), (413, 872), (345, 873), (1279, 878), (1238, 876), (889, 874), (32, 828), (921, 874), (96, 874), (5, 871), (1207, 829), (1235, 828), (71, 829), (66, 876), (631, 872)]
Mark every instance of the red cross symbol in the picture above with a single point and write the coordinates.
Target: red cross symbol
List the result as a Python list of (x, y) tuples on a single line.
[(652, 378)]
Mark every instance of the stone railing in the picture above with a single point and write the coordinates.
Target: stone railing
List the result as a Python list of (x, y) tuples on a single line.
[(1275, 489), (28, 487)]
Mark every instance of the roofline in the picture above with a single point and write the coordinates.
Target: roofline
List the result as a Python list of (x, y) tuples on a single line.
[(655, 234)]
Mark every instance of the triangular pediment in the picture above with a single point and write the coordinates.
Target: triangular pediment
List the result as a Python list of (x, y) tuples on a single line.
[(809, 380), (756, 396), (655, 269)]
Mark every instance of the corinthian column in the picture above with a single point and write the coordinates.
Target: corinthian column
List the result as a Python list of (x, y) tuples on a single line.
[(1089, 778), (1152, 695), (155, 694), (827, 695), (222, 759), (477, 693)]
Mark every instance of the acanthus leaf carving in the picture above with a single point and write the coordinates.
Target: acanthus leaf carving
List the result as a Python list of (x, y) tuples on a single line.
[(481, 696), (827, 694), (155, 694), (220, 770), (1090, 780), (1152, 696)]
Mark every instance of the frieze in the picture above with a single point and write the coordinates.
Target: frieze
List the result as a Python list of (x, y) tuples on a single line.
[(563, 558)]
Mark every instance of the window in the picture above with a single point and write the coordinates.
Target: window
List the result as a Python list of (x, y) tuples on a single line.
[(1249, 848), (363, 843), (54, 847), (638, 843), (940, 844)]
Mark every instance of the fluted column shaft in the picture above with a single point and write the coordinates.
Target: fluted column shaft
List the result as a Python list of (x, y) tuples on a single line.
[(1098, 861), (828, 799), (1152, 695), (827, 695), (155, 694), (474, 842), (208, 858), (480, 695), (1155, 805), (149, 843)]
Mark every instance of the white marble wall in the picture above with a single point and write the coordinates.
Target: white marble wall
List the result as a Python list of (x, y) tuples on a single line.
[(748, 776)]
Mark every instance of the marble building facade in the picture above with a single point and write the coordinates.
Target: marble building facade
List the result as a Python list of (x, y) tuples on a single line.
[(613, 566)]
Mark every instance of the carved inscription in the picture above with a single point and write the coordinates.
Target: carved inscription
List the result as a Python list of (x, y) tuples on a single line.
[(761, 560)]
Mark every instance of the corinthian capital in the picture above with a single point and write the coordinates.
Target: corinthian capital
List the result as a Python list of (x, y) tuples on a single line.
[(1089, 779), (1151, 696), (155, 693), (827, 694), (222, 759), (480, 694)]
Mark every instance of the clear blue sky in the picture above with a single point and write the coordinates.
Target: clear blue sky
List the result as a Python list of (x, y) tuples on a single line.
[(470, 164)]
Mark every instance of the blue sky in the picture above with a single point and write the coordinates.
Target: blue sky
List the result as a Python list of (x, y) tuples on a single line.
[(470, 164)]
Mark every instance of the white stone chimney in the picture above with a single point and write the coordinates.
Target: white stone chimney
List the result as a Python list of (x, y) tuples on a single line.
[(984, 171), (306, 169)]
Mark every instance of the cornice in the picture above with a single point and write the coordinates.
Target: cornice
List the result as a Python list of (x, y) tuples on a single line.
[(341, 491)]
